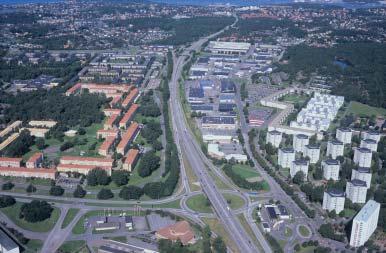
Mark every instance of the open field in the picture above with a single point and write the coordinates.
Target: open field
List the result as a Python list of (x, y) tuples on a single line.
[(199, 203), (234, 201), (72, 246), (44, 226), (245, 171), (216, 226), (304, 231), (360, 109), (33, 245)]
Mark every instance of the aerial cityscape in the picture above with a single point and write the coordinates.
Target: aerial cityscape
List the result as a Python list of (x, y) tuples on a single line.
[(174, 126)]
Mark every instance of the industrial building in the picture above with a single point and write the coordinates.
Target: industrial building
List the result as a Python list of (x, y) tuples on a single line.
[(364, 223), (228, 48), (219, 122), (333, 200)]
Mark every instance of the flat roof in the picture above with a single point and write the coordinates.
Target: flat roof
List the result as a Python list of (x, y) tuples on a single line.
[(367, 211), (7, 242), (335, 192), (218, 120), (357, 182), (332, 162)]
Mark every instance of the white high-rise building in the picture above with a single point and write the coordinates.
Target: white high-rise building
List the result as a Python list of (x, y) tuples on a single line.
[(335, 148), (300, 141), (364, 223), (274, 137), (285, 157), (373, 135), (362, 157), (299, 165), (344, 134), (333, 200), (356, 191), (331, 169), (313, 152), (370, 144), (362, 173)]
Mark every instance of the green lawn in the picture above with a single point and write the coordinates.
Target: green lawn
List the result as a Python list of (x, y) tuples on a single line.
[(294, 98), (72, 246), (245, 171), (288, 232), (234, 201), (364, 110), (348, 213), (71, 213), (33, 245), (199, 203), (119, 239), (304, 231), (44, 226)]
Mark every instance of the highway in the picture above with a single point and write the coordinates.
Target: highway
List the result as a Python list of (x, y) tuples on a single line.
[(186, 141)]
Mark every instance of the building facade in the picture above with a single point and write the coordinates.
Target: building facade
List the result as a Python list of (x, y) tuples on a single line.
[(285, 157), (299, 142), (331, 169), (333, 200), (362, 157), (335, 148), (364, 223), (344, 134), (363, 174), (274, 137), (312, 151), (299, 165), (356, 191)]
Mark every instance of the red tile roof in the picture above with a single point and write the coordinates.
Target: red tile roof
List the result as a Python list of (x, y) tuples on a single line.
[(128, 136), (35, 157), (25, 169), (179, 231), (129, 114), (131, 97), (131, 156)]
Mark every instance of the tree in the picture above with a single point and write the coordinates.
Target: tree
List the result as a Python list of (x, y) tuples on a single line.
[(79, 192), (120, 177), (6, 201), (21, 145), (30, 188), (7, 186), (149, 162), (131, 192), (40, 143), (97, 176), (298, 178), (35, 211), (66, 146), (56, 190), (219, 245), (105, 194), (297, 247), (157, 145), (81, 131), (153, 190)]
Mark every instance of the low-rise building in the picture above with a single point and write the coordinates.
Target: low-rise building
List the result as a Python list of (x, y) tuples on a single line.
[(363, 174), (111, 122), (82, 169), (299, 142), (331, 169), (299, 165), (35, 161), (333, 200), (362, 157), (130, 98), (180, 231), (344, 134), (106, 146), (128, 138), (356, 191), (335, 148), (28, 172), (370, 144), (101, 133), (131, 159), (10, 162), (312, 151), (274, 137), (364, 223), (220, 122), (128, 116), (285, 157)]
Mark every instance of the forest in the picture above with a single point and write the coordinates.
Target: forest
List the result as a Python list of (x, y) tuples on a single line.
[(362, 80), (184, 30)]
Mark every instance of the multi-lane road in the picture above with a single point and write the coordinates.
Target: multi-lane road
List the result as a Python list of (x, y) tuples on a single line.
[(197, 160)]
